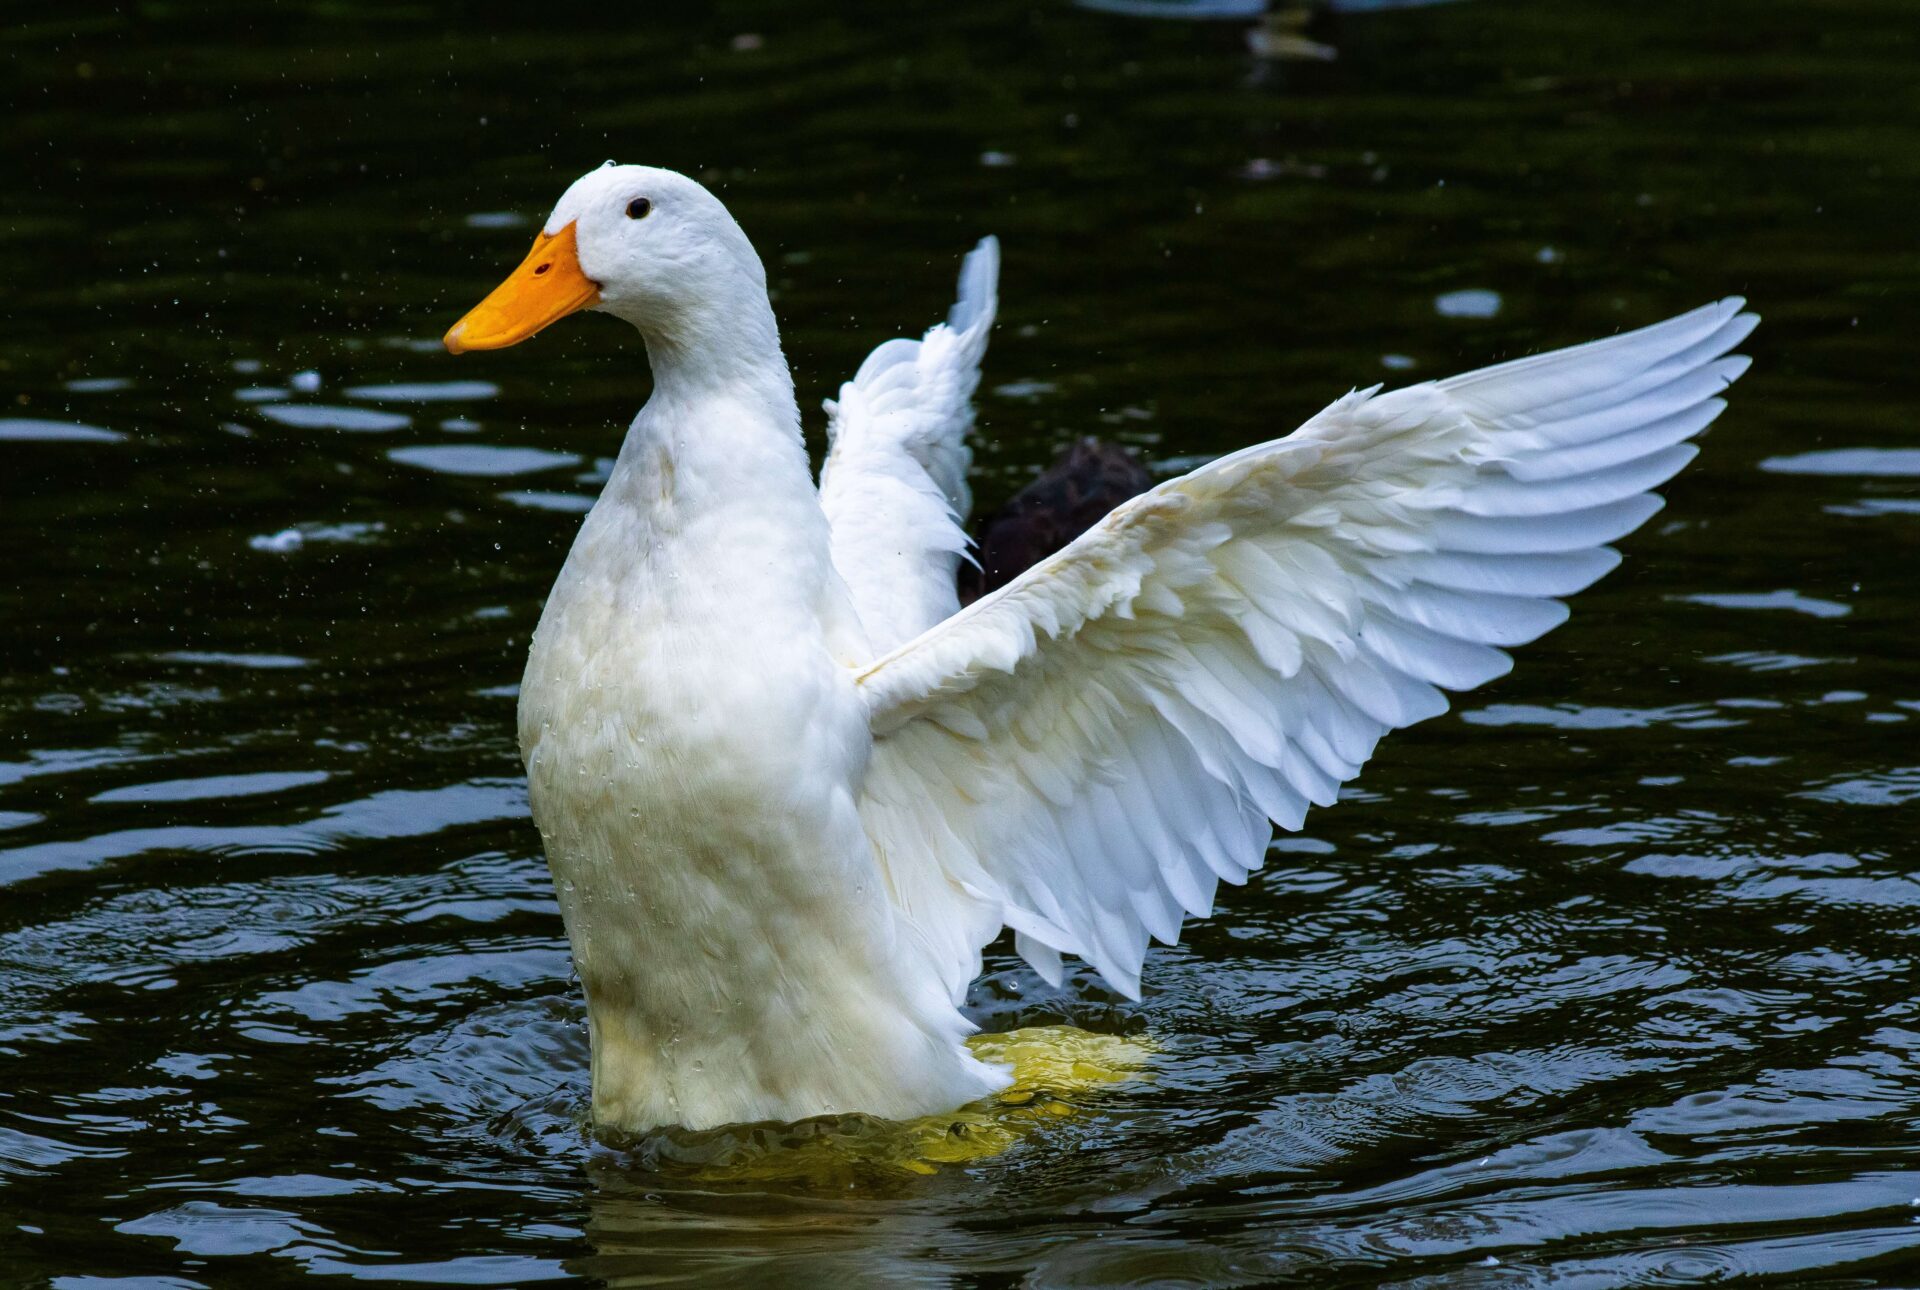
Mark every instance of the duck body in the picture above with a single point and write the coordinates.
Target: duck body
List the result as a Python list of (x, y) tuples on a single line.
[(789, 789), (694, 743)]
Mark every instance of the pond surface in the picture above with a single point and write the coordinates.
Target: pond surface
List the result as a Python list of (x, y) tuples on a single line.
[(1605, 978)]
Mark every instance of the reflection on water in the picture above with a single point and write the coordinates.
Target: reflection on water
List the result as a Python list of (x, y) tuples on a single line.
[(1606, 978)]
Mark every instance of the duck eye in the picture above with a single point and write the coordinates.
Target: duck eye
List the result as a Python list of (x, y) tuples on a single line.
[(638, 208)]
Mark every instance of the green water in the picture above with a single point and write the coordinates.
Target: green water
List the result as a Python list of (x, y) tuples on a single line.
[(1606, 978)]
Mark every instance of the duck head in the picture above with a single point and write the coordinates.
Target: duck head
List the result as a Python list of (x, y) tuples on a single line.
[(647, 245)]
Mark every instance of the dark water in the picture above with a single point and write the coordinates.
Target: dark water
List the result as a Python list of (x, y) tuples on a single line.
[(1606, 979)]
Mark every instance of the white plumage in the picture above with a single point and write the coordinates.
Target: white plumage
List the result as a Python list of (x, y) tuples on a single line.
[(1122, 721), (789, 793), (894, 486)]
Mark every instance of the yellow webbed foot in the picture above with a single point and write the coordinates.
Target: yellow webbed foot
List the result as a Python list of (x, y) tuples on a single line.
[(1054, 1068), (1057, 1072)]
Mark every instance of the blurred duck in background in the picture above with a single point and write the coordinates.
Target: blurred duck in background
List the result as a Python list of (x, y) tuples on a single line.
[(1088, 479)]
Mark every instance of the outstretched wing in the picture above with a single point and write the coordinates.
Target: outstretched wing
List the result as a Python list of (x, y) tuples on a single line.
[(894, 486), (1085, 754)]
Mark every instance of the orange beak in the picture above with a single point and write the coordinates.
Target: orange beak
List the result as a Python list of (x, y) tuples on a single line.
[(546, 287)]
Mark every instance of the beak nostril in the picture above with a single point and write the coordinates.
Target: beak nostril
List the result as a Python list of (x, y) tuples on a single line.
[(542, 269)]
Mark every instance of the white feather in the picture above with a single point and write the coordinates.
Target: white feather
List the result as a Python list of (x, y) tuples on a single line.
[(1229, 647), (894, 486)]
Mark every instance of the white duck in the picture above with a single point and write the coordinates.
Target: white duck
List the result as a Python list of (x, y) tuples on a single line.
[(789, 791)]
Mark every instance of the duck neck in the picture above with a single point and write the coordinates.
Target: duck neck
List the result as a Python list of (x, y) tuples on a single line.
[(721, 432), (729, 349), (711, 501)]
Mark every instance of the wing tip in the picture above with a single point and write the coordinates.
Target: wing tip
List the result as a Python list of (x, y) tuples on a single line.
[(1734, 309), (1731, 368), (1126, 987), (978, 295)]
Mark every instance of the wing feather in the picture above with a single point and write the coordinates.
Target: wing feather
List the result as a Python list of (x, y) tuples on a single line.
[(894, 486), (1110, 736)]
